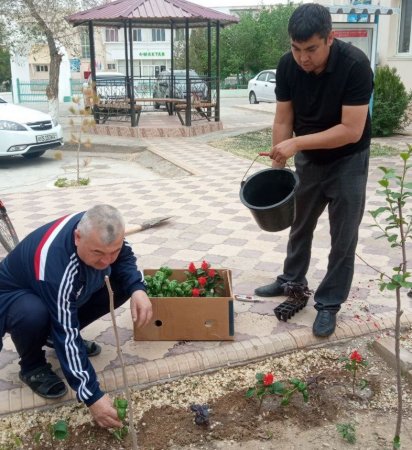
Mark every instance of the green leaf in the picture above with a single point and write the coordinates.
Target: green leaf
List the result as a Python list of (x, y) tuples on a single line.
[(384, 183), (305, 396), (37, 437), (120, 403), (60, 430), (405, 156), (250, 392), (285, 401), (378, 211), (397, 442), (278, 388), (363, 383)]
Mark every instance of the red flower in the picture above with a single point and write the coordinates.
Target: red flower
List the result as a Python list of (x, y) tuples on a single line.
[(205, 265), (202, 281), (355, 356), (196, 292), (268, 379), (212, 273), (192, 268)]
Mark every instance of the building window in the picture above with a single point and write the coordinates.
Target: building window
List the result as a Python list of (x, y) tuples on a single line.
[(42, 68), (111, 66), (405, 36), (85, 44), (180, 34), (112, 35), (137, 34), (158, 34)]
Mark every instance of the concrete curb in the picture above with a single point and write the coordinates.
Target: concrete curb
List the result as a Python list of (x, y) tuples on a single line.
[(385, 348), (233, 354)]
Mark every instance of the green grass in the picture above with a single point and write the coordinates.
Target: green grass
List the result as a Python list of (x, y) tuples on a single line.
[(248, 145)]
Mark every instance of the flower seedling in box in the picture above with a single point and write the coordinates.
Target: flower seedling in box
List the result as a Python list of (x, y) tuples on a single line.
[(200, 282), (266, 385), (354, 363)]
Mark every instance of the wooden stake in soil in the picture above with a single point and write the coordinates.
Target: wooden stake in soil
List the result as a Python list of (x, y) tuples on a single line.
[(119, 352)]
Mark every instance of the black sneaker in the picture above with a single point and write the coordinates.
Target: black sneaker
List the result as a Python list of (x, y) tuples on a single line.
[(92, 348), (325, 323), (274, 289)]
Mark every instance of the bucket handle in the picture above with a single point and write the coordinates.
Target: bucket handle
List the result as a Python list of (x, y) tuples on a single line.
[(253, 162)]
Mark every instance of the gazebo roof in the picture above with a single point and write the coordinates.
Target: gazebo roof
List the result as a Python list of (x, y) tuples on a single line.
[(151, 14)]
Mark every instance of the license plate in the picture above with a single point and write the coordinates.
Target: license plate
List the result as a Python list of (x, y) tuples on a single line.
[(46, 137)]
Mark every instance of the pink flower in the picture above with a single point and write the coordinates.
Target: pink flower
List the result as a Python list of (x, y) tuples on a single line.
[(192, 268), (355, 356), (268, 379), (205, 265), (211, 273), (196, 292), (202, 281)]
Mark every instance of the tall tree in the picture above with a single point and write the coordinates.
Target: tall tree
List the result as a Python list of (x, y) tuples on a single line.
[(257, 42), (31, 22), (5, 72)]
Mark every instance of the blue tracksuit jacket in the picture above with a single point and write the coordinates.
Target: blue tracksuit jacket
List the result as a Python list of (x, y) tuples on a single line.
[(46, 264)]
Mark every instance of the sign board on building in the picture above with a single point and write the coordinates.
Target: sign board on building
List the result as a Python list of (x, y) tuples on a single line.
[(362, 35)]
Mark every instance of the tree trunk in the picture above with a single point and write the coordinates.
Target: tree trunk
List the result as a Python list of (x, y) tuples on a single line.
[(52, 90)]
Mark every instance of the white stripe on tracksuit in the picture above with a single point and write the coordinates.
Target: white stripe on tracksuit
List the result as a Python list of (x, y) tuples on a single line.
[(64, 316)]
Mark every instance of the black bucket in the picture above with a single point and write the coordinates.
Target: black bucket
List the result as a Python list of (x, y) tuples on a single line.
[(270, 196)]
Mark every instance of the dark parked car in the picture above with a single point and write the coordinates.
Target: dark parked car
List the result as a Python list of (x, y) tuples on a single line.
[(163, 86)]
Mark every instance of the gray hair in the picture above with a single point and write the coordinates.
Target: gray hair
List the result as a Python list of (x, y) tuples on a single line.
[(104, 219)]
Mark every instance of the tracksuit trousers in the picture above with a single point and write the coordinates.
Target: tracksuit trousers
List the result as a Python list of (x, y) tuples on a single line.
[(28, 322)]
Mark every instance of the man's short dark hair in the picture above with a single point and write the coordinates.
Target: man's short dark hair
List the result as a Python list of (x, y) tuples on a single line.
[(309, 19)]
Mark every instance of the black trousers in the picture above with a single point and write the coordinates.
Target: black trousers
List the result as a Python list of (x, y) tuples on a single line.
[(341, 186), (28, 322)]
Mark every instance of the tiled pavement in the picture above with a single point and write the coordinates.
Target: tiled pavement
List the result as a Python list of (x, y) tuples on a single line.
[(209, 222)]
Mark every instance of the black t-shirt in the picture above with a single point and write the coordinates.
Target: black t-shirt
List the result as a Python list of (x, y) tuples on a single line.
[(318, 99)]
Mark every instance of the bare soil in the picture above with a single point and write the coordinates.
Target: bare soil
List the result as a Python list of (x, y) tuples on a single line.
[(165, 421)]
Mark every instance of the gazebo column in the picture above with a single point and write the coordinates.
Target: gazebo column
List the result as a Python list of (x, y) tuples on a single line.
[(131, 78), (188, 86), (126, 58), (217, 108), (93, 67)]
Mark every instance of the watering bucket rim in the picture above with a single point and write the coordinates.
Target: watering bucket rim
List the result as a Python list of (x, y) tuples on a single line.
[(263, 208)]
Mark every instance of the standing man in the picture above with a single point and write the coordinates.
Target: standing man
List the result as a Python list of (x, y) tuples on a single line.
[(323, 89), (52, 285)]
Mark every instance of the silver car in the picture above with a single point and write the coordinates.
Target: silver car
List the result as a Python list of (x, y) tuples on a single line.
[(163, 86), (261, 88)]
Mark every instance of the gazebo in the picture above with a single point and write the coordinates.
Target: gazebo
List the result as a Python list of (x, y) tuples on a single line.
[(169, 14)]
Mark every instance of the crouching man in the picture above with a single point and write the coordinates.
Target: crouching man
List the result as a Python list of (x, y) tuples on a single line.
[(52, 285)]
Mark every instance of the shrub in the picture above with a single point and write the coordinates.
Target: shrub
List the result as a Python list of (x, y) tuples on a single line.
[(390, 102)]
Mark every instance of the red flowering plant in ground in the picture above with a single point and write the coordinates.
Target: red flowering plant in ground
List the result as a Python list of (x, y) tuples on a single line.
[(266, 385), (205, 281), (353, 363)]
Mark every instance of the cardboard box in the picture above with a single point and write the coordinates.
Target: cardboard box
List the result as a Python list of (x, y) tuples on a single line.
[(190, 318)]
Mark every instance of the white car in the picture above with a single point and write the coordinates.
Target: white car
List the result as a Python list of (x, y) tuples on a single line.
[(261, 88), (27, 132)]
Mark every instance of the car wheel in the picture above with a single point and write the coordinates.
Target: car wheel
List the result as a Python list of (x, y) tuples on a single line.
[(34, 154), (252, 98)]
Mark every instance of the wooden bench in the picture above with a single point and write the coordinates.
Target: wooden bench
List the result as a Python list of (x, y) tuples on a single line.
[(201, 110), (116, 109)]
